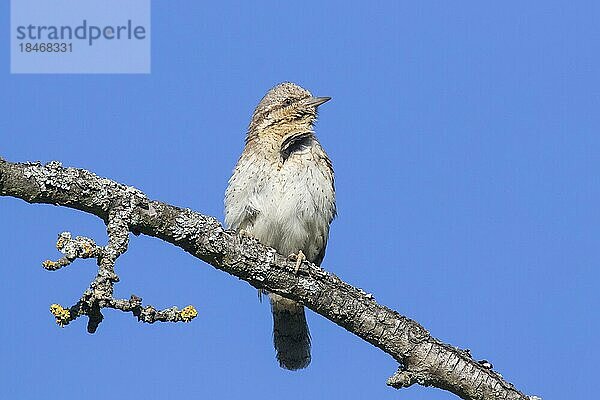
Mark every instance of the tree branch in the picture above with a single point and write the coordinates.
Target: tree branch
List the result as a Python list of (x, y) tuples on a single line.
[(423, 359)]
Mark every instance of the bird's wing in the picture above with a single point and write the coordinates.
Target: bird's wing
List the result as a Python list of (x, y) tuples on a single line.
[(247, 180)]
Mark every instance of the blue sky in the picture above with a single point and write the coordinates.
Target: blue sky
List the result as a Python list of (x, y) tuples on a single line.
[(465, 142)]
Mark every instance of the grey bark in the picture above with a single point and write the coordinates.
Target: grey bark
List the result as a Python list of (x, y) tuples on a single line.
[(423, 359)]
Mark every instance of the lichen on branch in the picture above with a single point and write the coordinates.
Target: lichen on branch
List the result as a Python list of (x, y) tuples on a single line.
[(423, 359)]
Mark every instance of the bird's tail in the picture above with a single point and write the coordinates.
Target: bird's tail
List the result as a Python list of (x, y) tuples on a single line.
[(290, 333)]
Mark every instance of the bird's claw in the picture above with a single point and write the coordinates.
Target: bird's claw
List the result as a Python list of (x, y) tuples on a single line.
[(300, 257), (244, 233)]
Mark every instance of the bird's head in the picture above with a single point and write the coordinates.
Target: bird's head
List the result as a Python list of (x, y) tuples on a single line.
[(285, 108)]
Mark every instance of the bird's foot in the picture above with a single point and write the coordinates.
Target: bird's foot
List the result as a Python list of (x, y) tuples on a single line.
[(244, 233), (300, 257)]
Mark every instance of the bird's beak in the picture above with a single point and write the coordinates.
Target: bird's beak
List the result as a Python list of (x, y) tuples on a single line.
[(317, 101)]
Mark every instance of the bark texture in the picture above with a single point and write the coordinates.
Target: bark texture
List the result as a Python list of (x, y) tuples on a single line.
[(423, 359)]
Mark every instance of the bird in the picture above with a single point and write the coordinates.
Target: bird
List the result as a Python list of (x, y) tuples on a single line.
[(282, 193)]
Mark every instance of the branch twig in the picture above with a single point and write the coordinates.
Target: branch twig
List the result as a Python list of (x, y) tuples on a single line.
[(100, 292)]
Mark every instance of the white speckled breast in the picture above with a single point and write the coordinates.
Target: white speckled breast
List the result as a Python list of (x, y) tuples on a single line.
[(287, 205)]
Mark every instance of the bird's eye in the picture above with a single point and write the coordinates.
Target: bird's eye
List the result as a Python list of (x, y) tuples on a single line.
[(287, 102)]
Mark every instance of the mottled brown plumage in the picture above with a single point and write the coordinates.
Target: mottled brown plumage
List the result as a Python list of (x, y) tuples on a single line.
[(282, 192)]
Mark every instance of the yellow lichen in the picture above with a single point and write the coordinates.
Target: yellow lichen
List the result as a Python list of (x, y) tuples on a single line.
[(62, 315), (60, 243), (188, 313), (87, 249), (48, 264)]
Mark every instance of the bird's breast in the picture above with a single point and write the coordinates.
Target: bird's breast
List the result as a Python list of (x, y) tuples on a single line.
[(296, 206)]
